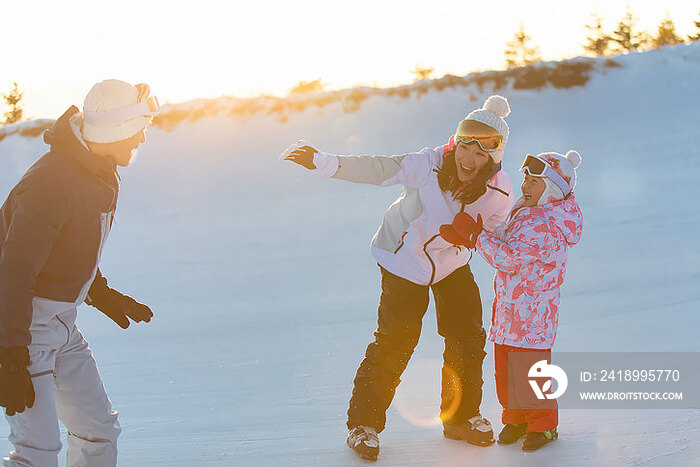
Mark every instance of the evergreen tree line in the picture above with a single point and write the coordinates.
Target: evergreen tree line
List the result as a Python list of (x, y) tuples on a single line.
[(627, 37)]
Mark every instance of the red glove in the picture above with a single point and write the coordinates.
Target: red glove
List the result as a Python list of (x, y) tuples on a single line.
[(464, 230)]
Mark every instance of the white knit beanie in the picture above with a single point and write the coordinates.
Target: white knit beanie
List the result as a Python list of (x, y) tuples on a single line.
[(564, 166), (493, 112), (109, 95)]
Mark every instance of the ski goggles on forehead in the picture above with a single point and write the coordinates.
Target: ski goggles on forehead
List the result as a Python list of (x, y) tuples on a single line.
[(537, 167), (486, 143), (146, 106), (470, 131), (145, 97)]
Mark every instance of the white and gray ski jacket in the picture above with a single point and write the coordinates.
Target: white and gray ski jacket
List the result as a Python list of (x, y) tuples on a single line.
[(408, 242)]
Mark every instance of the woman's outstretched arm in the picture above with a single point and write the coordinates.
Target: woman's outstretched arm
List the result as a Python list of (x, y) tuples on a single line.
[(408, 169)]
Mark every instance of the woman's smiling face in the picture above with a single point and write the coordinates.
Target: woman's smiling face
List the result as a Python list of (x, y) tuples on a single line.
[(470, 158), (532, 188)]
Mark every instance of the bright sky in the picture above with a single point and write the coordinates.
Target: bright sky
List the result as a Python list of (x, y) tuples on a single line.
[(185, 49)]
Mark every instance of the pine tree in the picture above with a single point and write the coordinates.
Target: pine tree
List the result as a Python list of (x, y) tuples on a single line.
[(666, 34), (306, 87), (422, 72), (519, 52), (695, 36), (13, 99), (626, 36), (597, 41)]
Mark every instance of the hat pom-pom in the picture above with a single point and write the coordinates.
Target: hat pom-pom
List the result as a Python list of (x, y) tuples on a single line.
[(497, 105), (574, 157)]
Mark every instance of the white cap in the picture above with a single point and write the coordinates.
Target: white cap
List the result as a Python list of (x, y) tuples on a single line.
[(493, 112), (115, 110), (565, 166)]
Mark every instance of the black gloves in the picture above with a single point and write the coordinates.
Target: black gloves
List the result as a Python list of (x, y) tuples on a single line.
[(16, 388), (303, 156), (117, 306)]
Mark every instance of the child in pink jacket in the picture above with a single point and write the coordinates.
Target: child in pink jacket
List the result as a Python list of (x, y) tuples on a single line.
[(529, 253)]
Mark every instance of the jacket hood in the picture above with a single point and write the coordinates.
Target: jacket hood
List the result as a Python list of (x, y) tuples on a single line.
[(565, 214), (63, 139)]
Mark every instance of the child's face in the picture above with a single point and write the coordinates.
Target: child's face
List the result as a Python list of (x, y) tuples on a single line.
[(532, 188)]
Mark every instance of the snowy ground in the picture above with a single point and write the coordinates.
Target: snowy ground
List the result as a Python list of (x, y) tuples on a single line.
[(265, 293)]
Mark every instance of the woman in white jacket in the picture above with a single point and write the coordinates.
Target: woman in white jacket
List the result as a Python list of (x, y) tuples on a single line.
[(462, 176)]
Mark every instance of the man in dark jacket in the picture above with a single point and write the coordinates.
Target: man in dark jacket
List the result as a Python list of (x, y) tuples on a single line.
[(53, 227)]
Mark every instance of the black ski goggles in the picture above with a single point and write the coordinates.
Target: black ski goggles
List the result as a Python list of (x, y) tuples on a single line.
[(536, 167)]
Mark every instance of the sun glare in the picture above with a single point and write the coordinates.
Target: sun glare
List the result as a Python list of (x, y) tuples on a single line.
[(418, 396), (188, 50)]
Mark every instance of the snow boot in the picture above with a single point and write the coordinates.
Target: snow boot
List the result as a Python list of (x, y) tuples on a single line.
[(534, 441), (477, 431), (512, 433), (365, 442)]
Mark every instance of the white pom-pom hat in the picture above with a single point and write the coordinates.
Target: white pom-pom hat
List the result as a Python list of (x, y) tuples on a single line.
[(564, 165), (493, 113)]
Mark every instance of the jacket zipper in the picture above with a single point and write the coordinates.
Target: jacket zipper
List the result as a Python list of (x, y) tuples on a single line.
[(401, 243), (65, 326), (425, 250), (432, 264)]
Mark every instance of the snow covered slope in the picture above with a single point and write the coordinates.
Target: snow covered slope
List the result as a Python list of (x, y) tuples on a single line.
[(265, 293)]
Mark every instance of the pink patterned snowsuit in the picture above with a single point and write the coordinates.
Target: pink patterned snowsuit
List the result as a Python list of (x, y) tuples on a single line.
[(530, 263)]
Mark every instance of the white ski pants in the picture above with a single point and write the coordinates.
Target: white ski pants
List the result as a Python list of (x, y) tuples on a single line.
[(68, 387)]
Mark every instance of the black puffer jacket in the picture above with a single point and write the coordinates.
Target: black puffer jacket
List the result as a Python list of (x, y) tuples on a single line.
[(51, 228)]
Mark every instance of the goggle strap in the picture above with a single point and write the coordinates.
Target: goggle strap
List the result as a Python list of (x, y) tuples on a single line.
[(147, 109), (558, 180)]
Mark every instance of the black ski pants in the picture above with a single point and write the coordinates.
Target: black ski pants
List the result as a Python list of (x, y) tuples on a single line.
[(401, 309)]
